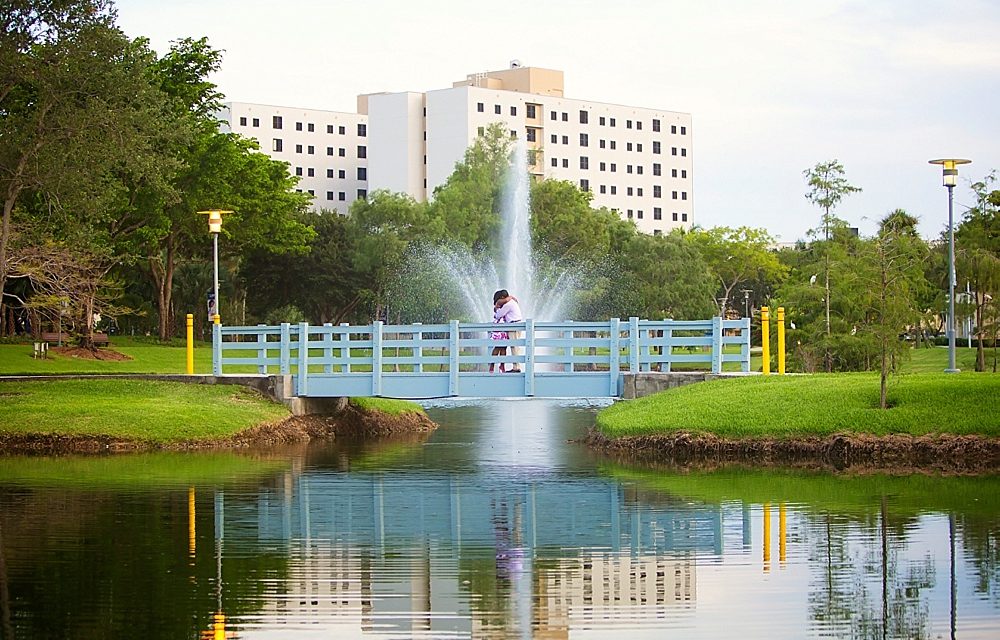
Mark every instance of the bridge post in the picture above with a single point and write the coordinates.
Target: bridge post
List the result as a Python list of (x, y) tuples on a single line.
[(568, 367), (327, 351), (453, 358), (614, 356), (668, 347), (418, 351), (345, 351), (303, 377), (633, 344), (645, 364), (284, 359), (717, 344), (377, 358), (262, 350), (745, 346), (529, 357), (217, 349)]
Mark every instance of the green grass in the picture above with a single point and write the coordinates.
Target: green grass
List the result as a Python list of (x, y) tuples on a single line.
[(815, 405), (146, 358), (935, 359), (387, 405), (160, 412)]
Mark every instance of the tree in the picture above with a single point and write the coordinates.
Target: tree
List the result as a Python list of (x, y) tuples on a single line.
[(664, 277), (827, 187), (737, 255), (977, 242)]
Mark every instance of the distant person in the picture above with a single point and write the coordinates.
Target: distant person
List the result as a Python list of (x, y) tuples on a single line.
[(498, 335), (509, 311)]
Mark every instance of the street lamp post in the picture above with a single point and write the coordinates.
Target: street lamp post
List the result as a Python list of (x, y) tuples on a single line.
[(950, 178), (215, 228), (746, 302)]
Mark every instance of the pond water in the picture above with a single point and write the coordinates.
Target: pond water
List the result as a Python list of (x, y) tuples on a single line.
[(493, 526)]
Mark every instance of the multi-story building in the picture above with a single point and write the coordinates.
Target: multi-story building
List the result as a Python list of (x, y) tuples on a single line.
[(634, 160), (328, 150)]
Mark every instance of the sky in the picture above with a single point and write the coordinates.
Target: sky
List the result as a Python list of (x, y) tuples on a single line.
[(773, 86)]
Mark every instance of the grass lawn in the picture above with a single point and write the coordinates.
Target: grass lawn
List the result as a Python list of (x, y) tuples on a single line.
[(935, 359), (160, 412), (146, 358), (815, 405)]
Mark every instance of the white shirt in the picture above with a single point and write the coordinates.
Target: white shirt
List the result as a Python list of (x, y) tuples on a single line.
[(510, 312)]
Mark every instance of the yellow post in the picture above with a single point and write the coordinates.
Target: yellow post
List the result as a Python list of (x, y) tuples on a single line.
[(767, 536), (781, 341), (219, 627), (782, 544), (190, 344), (765, 341), (192, 527), (217, 319)]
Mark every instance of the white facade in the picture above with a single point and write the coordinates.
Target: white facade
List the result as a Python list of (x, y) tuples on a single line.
[(327, 150)]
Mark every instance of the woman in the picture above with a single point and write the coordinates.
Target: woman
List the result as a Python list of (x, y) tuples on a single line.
[(498, 317)]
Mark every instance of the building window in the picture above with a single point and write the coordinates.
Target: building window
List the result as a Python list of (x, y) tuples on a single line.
[(256, 122), (601, 120), (276, 144), (673, 151), (329, 195), (657, 191), (656, 124), (603, 144), (554, 138), (628, 168), (362, 173), (638, 125), (638, 214), (684, 195), (311, 150), (513, 111), (565, 139), (673, 173), (329, 128), (531, 134), (657, 170), (628, 124), (276, 122), (362, 151), (684, 217), (630, 215), (673, 195), (638, 191), (638, 169), (584, 140), (496, 109), (311, 172), (555, 162), (513, 134), (656, 146), (674, 215), (584, 117), (638, 147), (565, 163), (311, 192), (311, 127), (553, 115), (329, 151), (243, 121), (684, 131), (657, 213), (614, 190), (603, 166), (612, 122), (342, 196), (584, 162), (657, 232), (362, 130), (342, 130), (613, 144), (584, 184), (298, 126), (628, 146), (684, 152), (298, 148), (342, 152), (604, 188), (628, 191), (481, 130), (298, 171), (329, 173), (614, 167), (673, 128), (565, 117), (530, 109), (362, 194), (342, 174), (480, 107), (684, 173)]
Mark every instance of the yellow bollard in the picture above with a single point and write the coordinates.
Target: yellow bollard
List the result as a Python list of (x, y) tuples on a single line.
[(217, 319), (190, 344), (781, 341), (765, 341), (767, 537), (192, 526), (219, 627), (782, 530)]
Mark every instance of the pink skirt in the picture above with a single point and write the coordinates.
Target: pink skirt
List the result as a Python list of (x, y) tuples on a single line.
[(498, 335)]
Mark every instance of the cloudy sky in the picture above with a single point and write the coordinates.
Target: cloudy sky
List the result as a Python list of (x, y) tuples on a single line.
[(773, 86)]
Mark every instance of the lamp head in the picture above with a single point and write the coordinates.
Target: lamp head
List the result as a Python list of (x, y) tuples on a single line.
[(214, 219), (949, 168)]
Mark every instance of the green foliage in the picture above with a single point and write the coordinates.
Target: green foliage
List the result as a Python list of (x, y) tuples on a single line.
[(735, 256), (664, 277)]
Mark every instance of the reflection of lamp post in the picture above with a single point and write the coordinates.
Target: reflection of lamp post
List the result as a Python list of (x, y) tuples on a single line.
[(950, 177), (215, 228)]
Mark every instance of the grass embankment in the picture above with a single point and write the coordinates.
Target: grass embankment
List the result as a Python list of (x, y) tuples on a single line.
[(788, 407), (145, 357)]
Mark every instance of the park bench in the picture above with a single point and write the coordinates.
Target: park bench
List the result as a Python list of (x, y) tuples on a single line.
[(100, 339)]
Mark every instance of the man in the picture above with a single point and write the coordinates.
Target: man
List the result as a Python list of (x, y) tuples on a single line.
[(509, 311)]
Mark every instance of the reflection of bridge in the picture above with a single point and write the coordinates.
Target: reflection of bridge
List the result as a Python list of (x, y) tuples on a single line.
[(555, 359)]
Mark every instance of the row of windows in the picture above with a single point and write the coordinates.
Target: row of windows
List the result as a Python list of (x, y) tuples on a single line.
[(657, 215), (342, 195), (584, 118), (310, 172), (629, 191), (608, 144), (638, 169), (530, 110), (277, 123), (278, 145)]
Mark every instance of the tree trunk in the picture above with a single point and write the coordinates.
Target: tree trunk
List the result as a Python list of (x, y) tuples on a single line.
[(8, 209), (980, 351), (162, 269)]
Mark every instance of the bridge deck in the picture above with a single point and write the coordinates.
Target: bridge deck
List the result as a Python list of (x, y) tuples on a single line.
[(554, 359)]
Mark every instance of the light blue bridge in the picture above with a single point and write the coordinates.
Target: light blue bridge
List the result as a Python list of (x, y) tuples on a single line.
[(556, 359)]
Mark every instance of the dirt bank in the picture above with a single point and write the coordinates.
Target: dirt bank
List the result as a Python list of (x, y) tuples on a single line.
[(351, 422), (944, 453)]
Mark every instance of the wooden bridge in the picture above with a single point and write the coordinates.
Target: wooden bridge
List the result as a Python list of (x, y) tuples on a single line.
[(556, 359)]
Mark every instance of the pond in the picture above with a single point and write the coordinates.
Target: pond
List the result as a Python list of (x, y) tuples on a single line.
[(496, 525)]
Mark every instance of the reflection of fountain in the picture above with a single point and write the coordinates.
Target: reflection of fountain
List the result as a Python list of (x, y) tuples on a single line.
[(477, 277)]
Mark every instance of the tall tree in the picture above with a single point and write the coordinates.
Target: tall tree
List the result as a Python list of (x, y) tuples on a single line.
[(736, 256), (978, 255), (827, 187)]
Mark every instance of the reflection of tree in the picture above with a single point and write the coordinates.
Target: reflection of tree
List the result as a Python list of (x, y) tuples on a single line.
[(864, 585), (981, 543)]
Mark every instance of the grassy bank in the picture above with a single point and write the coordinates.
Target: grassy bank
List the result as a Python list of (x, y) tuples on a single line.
[(145, 357), (818, 405)]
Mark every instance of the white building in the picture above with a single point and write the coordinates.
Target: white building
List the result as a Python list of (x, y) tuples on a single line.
[(328, 150), (634, 160)]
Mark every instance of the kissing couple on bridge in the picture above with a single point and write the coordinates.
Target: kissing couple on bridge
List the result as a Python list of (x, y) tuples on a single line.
[(505, 310)]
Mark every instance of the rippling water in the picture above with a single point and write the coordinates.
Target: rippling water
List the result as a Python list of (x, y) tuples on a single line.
[(495, 526)]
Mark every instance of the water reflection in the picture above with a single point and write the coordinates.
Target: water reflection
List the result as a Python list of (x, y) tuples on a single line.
[(495, 526)]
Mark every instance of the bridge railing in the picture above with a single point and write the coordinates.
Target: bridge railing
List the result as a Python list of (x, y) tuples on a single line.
[(455, 358)]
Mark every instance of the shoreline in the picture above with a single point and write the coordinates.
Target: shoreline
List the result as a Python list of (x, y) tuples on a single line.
[(943, 453), (351, 422)]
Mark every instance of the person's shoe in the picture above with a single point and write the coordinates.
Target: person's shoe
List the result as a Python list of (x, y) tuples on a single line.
[(513, 371)]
